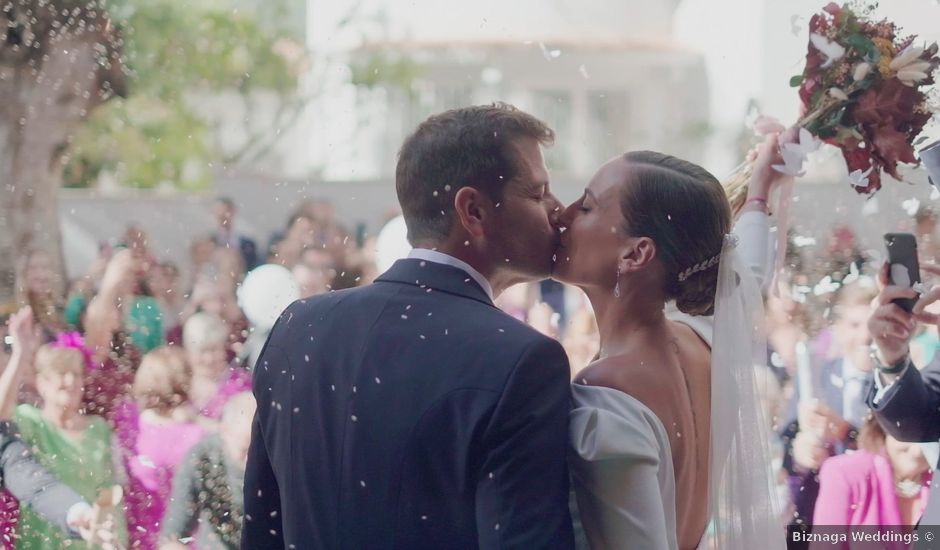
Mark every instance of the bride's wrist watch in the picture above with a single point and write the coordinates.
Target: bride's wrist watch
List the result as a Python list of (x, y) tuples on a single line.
[(897, 367)]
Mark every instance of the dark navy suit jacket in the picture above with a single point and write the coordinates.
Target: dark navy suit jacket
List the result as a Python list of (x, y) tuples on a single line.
[(910, 409), (408, 414)]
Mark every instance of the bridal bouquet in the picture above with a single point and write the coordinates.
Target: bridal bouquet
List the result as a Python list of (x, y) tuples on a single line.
[(863, 90)]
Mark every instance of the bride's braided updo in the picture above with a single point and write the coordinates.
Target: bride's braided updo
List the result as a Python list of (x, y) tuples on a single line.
[(684, 210)]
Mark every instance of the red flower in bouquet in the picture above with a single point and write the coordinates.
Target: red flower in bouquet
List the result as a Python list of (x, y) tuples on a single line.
[(863, 91), (861, 168)]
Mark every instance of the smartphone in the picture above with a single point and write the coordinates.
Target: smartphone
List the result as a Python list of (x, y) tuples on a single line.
[(930, 157), (903, 268)]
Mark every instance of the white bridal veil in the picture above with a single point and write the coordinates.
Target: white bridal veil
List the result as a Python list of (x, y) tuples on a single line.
[(744, 506)]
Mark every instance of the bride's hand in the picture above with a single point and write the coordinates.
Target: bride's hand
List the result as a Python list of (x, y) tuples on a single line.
[(764, 178)]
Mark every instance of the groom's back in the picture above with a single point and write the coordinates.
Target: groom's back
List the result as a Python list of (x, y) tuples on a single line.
[(391, 414)]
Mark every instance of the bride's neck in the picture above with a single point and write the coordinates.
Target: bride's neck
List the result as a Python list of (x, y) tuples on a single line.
[(621, 320)]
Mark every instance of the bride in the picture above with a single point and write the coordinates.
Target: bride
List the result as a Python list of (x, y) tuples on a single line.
[(669, 448)]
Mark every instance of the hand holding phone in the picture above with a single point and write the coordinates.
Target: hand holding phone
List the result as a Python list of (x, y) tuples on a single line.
[(903, 267)]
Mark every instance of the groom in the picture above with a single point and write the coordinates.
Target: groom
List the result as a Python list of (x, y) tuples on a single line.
[(412, 413)]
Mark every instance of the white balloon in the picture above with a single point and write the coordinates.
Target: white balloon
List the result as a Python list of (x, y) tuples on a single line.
[(266, 291), (391, 244)]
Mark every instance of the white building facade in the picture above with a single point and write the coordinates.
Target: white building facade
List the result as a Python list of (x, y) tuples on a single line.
[(598, 72)]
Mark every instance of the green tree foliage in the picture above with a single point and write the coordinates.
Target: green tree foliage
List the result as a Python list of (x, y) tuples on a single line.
[(173, 50)]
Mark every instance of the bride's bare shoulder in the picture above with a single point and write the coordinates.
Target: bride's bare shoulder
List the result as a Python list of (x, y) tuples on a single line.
[(639, 376)]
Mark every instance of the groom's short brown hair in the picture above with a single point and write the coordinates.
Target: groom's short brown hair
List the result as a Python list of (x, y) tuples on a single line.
[(466, 147)]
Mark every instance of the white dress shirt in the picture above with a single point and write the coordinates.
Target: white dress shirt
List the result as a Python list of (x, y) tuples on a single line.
[(446, 259), (881, 388)]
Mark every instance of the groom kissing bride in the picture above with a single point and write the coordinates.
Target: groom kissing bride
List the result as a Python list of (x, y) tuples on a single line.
[(412, 413)]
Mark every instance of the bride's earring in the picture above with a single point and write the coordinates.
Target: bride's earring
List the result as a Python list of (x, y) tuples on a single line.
[(617, 286)]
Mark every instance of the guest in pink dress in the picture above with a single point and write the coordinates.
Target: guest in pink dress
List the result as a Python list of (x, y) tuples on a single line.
[(9, 516), (215, 380), (109, 378), (156, 439), (885, 483)]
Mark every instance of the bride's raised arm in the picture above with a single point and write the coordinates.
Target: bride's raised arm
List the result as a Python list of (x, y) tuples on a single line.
[(752, 226)]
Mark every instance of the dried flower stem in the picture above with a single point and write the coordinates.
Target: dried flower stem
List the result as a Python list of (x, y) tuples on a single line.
[(737, 183)]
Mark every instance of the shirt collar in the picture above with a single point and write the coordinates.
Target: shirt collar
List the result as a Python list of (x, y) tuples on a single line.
[(446, 259)]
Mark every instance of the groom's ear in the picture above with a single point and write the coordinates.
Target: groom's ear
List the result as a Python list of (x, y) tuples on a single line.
[(639, 254), (469, 207)]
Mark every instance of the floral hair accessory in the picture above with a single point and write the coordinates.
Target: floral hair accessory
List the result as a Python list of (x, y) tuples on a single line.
[(74, 340)]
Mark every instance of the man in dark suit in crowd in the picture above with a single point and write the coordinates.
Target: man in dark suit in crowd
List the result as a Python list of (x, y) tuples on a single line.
[(225, 235), (805, 449), (905, 400), (412, 413), (828, 424)]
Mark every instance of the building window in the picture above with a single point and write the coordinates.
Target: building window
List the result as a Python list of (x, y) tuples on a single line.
[(608, 125), (554, 107)]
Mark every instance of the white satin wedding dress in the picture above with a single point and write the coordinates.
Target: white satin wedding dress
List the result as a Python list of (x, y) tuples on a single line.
[(621, 462)]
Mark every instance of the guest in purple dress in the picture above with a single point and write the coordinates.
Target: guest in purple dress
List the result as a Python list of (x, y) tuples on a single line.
[(215, 380), (155, 435)]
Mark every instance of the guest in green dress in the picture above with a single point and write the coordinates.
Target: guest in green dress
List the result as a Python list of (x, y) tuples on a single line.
[(74, 447), (124, 291), (143, 320)]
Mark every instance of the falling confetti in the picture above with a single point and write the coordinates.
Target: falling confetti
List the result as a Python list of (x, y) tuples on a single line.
[(549, 54), (796, 28)]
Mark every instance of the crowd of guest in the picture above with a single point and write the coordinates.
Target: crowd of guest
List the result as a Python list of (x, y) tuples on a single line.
[(838, 466), (834, 463), (135, 375), (139, 376)]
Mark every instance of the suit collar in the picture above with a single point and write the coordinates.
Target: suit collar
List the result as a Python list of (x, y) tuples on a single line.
[(432, 275), (446, 259)]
